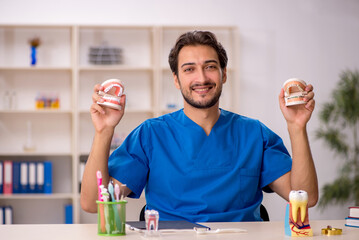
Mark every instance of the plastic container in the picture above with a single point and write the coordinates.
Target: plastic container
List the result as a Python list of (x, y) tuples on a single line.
[(111, 218)]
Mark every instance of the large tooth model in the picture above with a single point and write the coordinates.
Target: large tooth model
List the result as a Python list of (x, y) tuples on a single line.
[(297, 225), (112, 93)]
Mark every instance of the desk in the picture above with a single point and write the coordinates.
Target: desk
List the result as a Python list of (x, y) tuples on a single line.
[(256, 230)]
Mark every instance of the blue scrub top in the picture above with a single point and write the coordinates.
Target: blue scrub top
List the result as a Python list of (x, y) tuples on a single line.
[(188, 175)]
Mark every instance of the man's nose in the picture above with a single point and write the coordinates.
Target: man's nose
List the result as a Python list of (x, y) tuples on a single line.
[(202, 77)]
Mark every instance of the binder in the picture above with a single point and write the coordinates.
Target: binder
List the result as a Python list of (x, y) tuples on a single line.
[(7, 177), (2, 216), (8, 215), (68, 214), (48, 177), (1, 178), (32, 177), (24, 177), (40, 177), (16, 188)]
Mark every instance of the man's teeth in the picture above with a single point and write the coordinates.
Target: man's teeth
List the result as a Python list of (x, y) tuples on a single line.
[(298, 200), (201, 89)]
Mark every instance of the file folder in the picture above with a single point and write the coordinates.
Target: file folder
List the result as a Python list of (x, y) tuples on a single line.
[(40, 177), (16, 188), (32, 177), (48, 177), (24, 177), (1, 178), (7, 177)]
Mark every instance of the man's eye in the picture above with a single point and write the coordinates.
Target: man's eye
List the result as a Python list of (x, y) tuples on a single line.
[(211, 67), (188, 70)]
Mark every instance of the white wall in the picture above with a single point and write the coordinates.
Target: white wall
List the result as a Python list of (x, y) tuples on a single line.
[(311, 39)]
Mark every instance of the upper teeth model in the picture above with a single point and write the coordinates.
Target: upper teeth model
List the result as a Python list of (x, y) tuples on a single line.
[(294, 91), (298, 200), (112, 93)]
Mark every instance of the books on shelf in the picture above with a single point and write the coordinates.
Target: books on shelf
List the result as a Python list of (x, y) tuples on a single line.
[(353, 219), (26, 177)]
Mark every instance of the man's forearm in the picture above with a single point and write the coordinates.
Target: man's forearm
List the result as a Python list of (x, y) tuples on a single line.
[(303, 174), (98, 160)]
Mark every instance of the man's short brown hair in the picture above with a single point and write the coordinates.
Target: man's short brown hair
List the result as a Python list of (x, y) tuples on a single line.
[(196, 38)]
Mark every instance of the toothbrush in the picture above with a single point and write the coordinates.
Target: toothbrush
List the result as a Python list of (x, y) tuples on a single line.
[(105, 198), (111, 190), (117, 192), (114, 207), (99, 183), (101, 206)]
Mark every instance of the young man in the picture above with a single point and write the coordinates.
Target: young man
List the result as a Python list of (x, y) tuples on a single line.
[(202, 163)]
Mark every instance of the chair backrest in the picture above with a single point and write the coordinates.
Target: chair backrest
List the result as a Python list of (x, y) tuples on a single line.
[(263, 211)]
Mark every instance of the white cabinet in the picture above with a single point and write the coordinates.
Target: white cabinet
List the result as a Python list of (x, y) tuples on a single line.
[(63, 69)]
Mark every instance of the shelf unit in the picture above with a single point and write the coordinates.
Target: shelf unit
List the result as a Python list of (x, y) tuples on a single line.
[(64, 136)]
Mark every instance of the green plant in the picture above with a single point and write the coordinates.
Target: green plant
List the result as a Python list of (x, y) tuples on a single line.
[(339, 130)]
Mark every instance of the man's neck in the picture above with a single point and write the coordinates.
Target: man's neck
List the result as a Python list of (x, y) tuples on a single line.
[(205, 118)]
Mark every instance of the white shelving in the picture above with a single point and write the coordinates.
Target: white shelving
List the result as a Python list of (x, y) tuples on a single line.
[(64, 136)]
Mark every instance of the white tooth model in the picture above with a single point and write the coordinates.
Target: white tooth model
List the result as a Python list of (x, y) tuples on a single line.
[(299, 201), (294, 91), (294, 225), (112, 93)]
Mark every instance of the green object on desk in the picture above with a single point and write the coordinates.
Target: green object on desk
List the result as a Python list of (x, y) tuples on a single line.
[(115, 218)]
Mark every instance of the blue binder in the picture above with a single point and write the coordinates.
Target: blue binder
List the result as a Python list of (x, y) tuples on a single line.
[(16, 188), (1, 177), (48, 177), (68, 214)]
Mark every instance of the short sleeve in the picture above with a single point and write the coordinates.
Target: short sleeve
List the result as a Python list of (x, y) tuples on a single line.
[(276, 159), (129, 163)]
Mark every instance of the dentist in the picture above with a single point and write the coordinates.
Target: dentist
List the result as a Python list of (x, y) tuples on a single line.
[(202, 163)]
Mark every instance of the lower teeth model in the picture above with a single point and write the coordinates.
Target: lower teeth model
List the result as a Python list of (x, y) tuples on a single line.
[(294, 91), (113, 89)]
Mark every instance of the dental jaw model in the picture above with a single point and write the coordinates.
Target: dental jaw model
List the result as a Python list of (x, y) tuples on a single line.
[(294, 91), (296, 217), (112, 93)]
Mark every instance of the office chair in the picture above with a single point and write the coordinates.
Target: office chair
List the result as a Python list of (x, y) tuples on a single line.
[(263, 212)]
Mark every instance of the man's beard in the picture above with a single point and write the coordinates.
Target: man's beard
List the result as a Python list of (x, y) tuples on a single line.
[(199, 104)]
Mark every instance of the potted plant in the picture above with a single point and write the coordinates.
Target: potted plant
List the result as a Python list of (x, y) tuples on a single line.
[(339, 130)]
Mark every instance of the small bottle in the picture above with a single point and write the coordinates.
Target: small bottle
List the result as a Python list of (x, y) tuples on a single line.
[(39, 101)]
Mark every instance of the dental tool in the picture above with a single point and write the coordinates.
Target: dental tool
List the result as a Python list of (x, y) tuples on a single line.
[(219, 230)]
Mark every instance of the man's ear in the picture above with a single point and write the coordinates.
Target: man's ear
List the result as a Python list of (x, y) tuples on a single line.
[(224, 75), (176, 81)]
